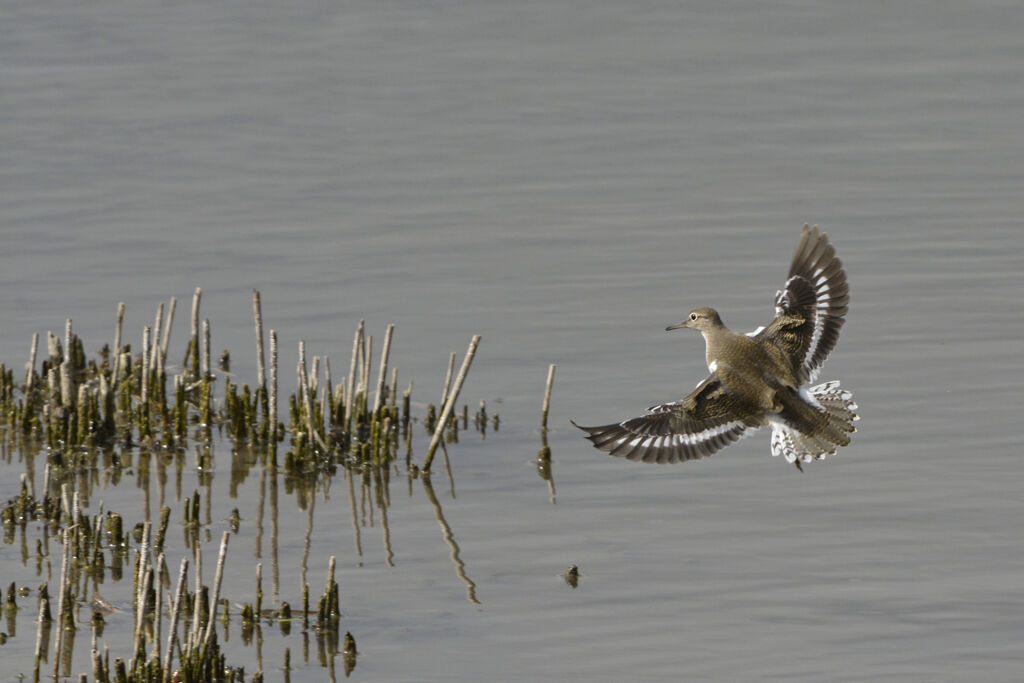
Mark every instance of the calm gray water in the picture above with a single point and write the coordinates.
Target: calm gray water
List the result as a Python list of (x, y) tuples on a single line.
[(565, 178)]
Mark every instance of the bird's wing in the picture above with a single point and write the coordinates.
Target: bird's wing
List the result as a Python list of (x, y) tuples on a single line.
[(704, 422), (810, 309)]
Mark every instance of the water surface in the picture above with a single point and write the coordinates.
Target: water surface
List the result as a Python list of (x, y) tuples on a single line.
[(565, 178)]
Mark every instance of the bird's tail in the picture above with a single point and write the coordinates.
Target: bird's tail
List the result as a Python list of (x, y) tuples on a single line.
[(826, 424)]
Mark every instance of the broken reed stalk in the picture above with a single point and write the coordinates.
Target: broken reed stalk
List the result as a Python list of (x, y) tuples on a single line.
[(115, 353), (273, 386), (67, 341), (197, 607), (383, 369), (357, 342), (259, 591), (307, 400), (58, 642), (547, 397), (144, 408), (30, 368), (449, 404), (327, 396), (216, 589), (314, 376), (140, 602), (192, 352), (303, 382), (166, 338), (448, 378), (43, 628), (144, 560), (325, 405), (206, 348), (154, 354), (327, 378), (394, 388), (158, 571), (364, 369), (175, 615), (206, 379), (143, 579), (257, 314), (65, 384)]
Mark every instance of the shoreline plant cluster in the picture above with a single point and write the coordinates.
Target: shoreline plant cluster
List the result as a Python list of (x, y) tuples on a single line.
[(82, 411)]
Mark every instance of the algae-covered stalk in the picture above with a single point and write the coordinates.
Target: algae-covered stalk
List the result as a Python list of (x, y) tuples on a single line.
[(193, 346), (259, 589), (207, 388), (261, 378)]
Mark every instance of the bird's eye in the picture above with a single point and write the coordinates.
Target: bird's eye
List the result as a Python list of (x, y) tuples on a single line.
[(693, 316)]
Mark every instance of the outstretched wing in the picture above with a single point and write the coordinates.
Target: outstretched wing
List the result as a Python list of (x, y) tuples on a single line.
[(704, 422), (810, 309)]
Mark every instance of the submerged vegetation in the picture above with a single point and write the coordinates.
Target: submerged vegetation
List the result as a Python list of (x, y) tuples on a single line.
[(91, 415)]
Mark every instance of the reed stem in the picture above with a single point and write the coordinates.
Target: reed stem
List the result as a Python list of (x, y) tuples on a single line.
[(175, 616), (216, 589), (273, 386), (166, 338), (449, 404), (382, 371), (547, 397), (257, 314)]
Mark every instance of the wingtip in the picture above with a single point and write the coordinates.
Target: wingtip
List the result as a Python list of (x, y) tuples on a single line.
[(588, 430)]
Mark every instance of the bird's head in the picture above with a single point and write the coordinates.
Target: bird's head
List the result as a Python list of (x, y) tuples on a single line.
[(702, 319)]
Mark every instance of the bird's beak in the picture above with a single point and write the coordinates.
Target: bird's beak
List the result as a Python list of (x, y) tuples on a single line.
[(678, 326)]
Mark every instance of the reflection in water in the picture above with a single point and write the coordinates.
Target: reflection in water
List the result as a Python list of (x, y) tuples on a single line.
[(275, 569), (311, 510), (545, 469), (350, 653), (349, 477), (380, 476), (544, 454), (448, 470), (449, 538), (258, 540)]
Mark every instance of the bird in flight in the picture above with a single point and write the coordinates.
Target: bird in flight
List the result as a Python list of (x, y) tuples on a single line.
[(757, 379)]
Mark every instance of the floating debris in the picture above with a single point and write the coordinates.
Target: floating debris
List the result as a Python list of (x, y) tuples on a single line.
[(572, 576)]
